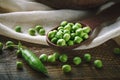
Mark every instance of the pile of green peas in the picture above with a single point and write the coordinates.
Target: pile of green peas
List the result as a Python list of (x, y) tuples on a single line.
[(68, 34), (32, 31)]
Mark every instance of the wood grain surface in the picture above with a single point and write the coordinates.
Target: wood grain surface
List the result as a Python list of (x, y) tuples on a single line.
[(85, 71)]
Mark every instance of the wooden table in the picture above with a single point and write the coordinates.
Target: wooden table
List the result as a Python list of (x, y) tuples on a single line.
[(85, 71)]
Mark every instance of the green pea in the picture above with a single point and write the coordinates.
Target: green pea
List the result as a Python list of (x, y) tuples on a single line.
[(78, 24), (18, 28), (60, 28), (51, 34), (66, 68), (43, 57), (19, 65), (85, 36), (98, 64), (61, 42), (31, 31), (79, 32), (116, 50), (76, 60), (66, 31), (42, 31), (86, 29), (73, 35), (78, 39), (67, 27), (55, 31), (38, 27), (70, 43), (63, 58), (63, 23), (66, 36), (87, 57), (10, 45), (1, 46), (59, 35), (71, 24), (54, 40), (51, 58), (56, 54), (19, 53)]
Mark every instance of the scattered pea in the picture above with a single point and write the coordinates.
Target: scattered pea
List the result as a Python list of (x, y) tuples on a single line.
[(116, 50), (56, 54), (10, 45), (31, 31), (38, 27), (43, 57), (76, 60), (19, 65), (87, 57), (42, 31), (18, 28), (63, 58), (98, 63), (51, 58), (19, 53), (66, 68)]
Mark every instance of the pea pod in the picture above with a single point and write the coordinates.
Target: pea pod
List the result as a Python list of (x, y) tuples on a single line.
[(33, 60)]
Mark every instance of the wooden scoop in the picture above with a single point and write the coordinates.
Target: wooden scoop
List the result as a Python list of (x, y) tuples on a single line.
[(110, 14)]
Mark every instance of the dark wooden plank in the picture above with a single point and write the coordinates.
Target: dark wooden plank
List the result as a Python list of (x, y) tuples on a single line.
[(85, 71)]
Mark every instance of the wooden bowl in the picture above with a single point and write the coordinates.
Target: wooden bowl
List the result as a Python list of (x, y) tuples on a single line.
[(73, 4), (62, 48), (94, 22)]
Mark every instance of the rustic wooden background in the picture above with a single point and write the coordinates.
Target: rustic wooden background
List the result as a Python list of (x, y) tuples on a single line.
[(85, 71)]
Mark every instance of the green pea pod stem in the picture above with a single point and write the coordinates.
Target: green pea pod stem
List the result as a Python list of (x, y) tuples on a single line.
[(32, 60)]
